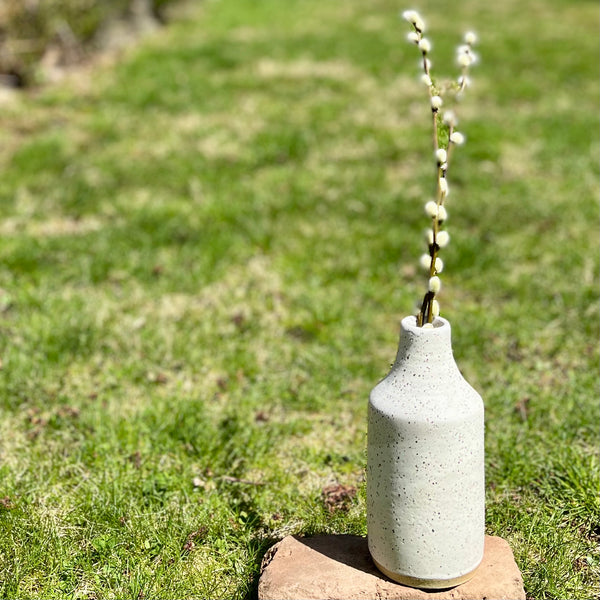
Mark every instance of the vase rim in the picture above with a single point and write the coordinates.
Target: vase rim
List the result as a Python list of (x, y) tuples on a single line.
[(409, 323)]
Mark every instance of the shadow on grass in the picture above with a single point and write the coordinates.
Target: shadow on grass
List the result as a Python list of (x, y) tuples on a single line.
[(251, 592)]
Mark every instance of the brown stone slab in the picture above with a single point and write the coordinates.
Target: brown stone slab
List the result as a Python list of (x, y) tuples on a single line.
[(339, 567)]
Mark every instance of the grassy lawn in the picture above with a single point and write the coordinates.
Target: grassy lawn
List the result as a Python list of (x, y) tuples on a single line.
[(205, 252)]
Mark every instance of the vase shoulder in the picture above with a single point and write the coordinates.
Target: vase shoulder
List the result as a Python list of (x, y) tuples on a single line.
[(439, 399), (424, 380)]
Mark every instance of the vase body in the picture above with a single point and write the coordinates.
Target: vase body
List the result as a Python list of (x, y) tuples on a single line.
[(425, 465)]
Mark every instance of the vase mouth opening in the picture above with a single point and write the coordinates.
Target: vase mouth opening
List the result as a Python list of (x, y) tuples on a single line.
[(410, 323)]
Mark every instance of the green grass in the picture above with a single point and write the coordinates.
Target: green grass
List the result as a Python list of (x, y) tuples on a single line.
[(205, 251)]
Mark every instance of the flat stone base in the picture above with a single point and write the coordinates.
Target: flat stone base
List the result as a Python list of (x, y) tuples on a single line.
[(339, 567)]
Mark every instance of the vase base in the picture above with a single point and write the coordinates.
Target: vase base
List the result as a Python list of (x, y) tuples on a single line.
[(427, 584)]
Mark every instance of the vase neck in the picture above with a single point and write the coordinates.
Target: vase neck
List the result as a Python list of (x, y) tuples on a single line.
[(425, 347)]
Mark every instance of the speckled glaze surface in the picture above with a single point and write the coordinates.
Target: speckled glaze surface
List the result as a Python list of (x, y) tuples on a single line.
[(425, 464)]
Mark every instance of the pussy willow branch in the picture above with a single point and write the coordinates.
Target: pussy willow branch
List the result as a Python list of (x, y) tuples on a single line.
[(429, 307), (426, 313)]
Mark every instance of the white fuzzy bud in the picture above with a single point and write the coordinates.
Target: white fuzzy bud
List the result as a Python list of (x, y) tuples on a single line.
[(435, 308), (439, 264), (442, 214), (435, 284), (443, 186), (436, 102), (449, 118), (442, 238), (457, 138), (431, 209), (425, 45), (425, 262), (464, 81), (428, 64), (426, 80), (427, 326), (429, 236), (464, 59), (470, 38), (413, 37), (412, 16), (441, 156)]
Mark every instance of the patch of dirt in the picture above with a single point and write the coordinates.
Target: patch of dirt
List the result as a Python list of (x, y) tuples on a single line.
[(305, 69), (338, 497), (53, 227), (6, 503)]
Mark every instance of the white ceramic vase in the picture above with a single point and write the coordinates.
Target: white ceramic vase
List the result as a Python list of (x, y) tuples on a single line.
[(425, 465)]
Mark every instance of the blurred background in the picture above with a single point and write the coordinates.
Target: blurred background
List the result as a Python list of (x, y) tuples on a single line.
[(39, 36), (207, 243)]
